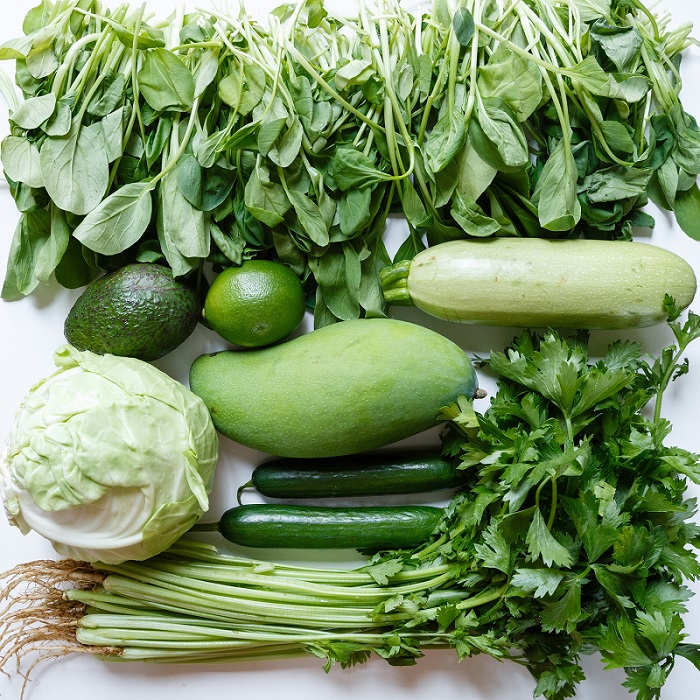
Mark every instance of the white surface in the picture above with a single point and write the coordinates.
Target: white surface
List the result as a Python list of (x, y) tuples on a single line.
[(32, 328)]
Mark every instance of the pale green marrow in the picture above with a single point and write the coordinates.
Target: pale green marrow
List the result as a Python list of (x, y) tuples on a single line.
[(342, 389), (535, 282)]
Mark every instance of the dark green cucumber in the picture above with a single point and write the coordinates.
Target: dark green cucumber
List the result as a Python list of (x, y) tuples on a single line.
[(316, 527), (368, 474)]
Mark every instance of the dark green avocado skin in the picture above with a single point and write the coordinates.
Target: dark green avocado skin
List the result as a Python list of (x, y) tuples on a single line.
[(139, 311)]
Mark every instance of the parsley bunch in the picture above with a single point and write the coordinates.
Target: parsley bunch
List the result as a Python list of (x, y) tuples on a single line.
[(576, 518)]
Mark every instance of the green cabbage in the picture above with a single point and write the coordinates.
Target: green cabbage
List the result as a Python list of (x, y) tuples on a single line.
[(108, 458)]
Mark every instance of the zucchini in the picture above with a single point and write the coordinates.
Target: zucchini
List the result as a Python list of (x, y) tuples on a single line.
[(346, 388), (316, 527), (539, 282), (380, 473)]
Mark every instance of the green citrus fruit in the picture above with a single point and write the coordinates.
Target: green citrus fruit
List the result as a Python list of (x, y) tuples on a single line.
[(255, 304)]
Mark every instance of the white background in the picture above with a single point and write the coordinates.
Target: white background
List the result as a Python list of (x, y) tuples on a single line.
[(30, 330)]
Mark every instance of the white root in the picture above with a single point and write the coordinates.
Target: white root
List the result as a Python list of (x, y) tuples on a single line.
[(37, 621)]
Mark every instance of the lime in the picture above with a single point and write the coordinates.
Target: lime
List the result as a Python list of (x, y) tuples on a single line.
[(255, 304)]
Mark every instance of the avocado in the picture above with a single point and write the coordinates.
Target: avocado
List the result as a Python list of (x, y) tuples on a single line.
[(139, 310)]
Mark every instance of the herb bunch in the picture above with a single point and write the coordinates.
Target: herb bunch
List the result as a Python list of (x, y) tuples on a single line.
[(212, 138), (573, 535), (578, 510)]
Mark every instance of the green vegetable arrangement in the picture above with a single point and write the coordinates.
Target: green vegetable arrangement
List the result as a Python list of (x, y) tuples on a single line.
[(573, 536), (298, 139)]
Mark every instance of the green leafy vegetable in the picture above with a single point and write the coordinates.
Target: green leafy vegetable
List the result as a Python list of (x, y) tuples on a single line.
[(540, 120)]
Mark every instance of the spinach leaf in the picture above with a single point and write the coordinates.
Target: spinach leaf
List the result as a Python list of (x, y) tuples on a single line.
[(165, 81), (32, 113), (181, 225), (32, 233), (354, 210), (472, 219), (243, 88), (75, 168), (512, 78), (55, 246), (338, 273), (616, 183), (60, 122), (110, 96), (266, 200), (445, 140), (286, 149), (687, 210), (463, 25), (620, 44), (21, 160), (500, 127), (352, 168), (118, 221), (309, 217), (555, 193)]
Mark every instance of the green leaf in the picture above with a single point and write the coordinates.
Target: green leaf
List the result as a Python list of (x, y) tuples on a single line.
[(444, 140), (555, 193), (148, 38), (243, 88), (562, 614), (617, 137), (687, 210), (619, 646), (75, 168), (664, 634), (337, 273), (309, 217), (230, 245), (354, 210), (512, 78), (21, 161), (166, 83), (540, 582), (32, 233), (73, 271), (268, 133), (472, 219), (180, 224), (589, 74), (354, 72), (41, 60), (113, 133), (383, 571), (60, 122), (32, 113), (286, 149), (691, 652), (54, 248), (266, 200), (543, 545), (205, 71), (493, 551), (352, 169), (463, 26), (475, 175), (616, 183), (118, 221), (621, 44), (109, 97)]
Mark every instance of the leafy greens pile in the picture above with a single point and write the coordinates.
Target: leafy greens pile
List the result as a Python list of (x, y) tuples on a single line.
[(209, 137), (574, 535)]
